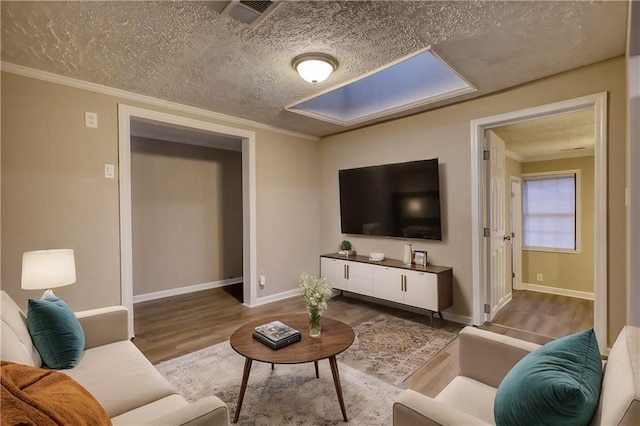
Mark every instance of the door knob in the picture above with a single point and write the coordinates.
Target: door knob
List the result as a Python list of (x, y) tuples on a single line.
[(506, 237)]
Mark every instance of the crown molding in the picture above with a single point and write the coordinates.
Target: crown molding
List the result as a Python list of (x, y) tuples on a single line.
[(513, 156), (561, 155), (110, 91), (590, 152)]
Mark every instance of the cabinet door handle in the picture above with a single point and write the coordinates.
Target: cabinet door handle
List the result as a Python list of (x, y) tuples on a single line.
[(347, 271), (401, 282)]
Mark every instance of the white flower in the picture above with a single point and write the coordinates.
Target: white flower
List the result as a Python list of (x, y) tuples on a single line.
[(315, 291)]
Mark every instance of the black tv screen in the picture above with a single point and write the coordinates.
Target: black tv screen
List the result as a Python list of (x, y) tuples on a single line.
[(393, 200)]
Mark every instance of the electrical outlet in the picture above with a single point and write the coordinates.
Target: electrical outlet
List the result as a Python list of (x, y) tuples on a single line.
[(539, 277), (262, 280)]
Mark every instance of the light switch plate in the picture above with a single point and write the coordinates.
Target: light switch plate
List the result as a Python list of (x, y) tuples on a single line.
[(109, 171), (91, 119)]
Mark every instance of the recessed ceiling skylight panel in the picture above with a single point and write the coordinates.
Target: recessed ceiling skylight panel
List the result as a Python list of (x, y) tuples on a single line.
[(410, 82)]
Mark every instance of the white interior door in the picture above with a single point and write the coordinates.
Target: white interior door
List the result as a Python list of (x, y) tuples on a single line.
[(479, 243), (499, 286), (516, 233)]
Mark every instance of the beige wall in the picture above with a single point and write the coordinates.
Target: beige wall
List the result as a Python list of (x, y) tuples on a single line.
[(445, 133), (513, 168), (54, 193), (561, 270), (186, 215), (633, 216), (569, 271), (0, 189), (288, 213)]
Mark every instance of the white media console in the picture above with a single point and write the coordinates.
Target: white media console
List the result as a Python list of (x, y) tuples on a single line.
[(426, 287)]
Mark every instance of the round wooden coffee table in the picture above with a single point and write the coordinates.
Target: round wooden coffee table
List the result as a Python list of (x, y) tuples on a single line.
[(336, 337)]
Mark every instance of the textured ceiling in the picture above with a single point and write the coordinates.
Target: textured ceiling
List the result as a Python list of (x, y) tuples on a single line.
[(187, 52), (558, 136)]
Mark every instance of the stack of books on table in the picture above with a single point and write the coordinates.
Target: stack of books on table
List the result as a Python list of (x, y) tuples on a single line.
[(276, 334)]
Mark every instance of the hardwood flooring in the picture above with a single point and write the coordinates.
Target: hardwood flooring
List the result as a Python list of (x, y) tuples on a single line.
[(174, 326), (545, 316)]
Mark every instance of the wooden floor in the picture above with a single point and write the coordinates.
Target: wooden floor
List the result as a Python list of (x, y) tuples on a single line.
[(174, 326), (547, 316)]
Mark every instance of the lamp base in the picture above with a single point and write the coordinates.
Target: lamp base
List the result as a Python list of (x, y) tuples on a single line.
[(48, 294)]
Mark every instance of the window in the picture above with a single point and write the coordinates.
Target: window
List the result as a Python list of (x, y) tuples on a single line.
[(550, 211)]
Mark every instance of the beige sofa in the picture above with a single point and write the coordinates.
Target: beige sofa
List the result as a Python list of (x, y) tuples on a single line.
[(484, 360), (113, 370)]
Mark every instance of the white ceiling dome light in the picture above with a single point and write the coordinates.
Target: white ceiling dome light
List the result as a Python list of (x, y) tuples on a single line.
[(314, 67)]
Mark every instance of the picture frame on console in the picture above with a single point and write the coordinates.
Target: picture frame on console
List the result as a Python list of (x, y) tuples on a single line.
[(420, 257)]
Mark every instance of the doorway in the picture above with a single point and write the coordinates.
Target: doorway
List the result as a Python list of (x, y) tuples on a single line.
[(186, 198), (126, 115), (481, 247), (550, 160)]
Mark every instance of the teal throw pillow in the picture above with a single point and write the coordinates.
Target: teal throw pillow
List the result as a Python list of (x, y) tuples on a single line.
[(56, 332), (557, 384)]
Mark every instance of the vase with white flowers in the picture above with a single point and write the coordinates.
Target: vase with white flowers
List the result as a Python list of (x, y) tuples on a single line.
[(315, 292)]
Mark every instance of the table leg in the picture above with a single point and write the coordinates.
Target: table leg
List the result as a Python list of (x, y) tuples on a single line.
[(336, 380), (315, 363), (243, 387)]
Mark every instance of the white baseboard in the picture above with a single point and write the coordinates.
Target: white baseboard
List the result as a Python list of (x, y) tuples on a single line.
[(275, 297), (460, 319), (559, 291), (184, 290)]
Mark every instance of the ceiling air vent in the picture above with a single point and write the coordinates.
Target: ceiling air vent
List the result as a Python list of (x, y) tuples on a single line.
[(249, 12)]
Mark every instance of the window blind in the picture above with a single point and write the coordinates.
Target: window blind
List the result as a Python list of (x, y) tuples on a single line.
[(549, 212)]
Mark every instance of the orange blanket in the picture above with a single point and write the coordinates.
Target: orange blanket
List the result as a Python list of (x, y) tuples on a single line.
[(35, 396)]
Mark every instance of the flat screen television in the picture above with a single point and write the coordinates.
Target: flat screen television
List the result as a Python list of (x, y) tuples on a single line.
[(392, 200)]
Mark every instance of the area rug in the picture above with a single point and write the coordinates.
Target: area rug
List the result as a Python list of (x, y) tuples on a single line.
[(392, 348), (287, 395)]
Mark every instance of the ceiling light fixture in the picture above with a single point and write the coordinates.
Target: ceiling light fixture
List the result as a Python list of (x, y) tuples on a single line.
[(314, 67)]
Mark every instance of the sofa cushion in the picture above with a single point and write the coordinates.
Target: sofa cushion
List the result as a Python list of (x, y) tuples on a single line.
[(56, 332), (120, 377), (17, 345), (556, 384), (32, 395)]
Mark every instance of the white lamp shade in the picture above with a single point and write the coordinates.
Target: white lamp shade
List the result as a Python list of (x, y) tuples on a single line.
[(45, 269), (314, 67)]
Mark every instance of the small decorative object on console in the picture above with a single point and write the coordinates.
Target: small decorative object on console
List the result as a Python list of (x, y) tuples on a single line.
[(346, 249), (420, 257), (276, 334), (315, 292), (408, 255), (376, 257)]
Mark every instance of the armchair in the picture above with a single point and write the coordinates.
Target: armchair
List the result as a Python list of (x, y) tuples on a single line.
[(484, 360)]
